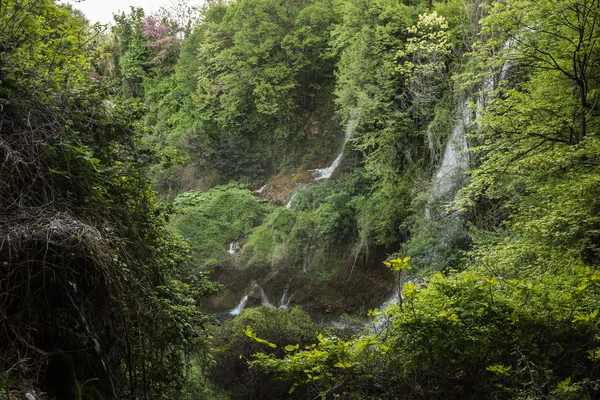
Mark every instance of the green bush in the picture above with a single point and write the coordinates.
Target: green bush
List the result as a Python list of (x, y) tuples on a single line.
[(233, 349), (211, 220), (437, 244)]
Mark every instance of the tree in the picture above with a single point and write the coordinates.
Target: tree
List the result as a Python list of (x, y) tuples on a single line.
[(553, 44), (543, 57), (130, 54), (87, 266), (423, 62)]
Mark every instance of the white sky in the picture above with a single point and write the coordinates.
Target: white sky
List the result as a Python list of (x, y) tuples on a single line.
[(103, 10)]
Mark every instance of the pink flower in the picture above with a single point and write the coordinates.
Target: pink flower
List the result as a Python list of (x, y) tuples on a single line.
[(153, 28)]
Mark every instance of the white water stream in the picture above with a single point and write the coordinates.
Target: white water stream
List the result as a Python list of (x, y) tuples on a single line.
[(380, 322), (289, 203), (262, 188), (240, 307), (284, 303), (325, 173), (234, 247), (455, 161)]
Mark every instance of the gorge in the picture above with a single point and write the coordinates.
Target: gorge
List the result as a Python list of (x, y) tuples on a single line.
[(253, 199)]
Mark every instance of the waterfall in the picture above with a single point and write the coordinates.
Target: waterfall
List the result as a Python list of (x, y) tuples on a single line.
[(380, 321), (262, 189), (455, 161), (234, 247), (508, 47), (325, 173), (240, 307), (264, 300), (289, 204), (284, 303)]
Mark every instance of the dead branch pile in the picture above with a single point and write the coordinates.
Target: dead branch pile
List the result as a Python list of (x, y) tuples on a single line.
[(58, 273)]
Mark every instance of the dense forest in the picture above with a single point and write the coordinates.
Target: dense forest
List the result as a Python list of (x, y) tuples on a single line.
[(301, 199)]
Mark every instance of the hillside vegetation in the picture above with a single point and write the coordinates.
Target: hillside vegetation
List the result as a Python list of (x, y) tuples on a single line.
[(168, 227)]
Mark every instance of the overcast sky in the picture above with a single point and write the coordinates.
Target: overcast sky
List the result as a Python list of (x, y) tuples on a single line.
[(102, 10)]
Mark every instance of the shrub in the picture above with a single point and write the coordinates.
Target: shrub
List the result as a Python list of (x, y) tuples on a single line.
[(234, 348)]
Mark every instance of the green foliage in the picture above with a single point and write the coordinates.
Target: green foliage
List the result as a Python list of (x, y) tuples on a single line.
[(459, 15), (427, 47), (533, 204), (88, 266), (331, 368), (423, 61), (368, 87), (381, 213), (258, 329), (211, 220), (535, 144), (327, 223), (467, 334), (142, 50), (253, 84), (130, 55), (398, 264), (441, 126), (438, 244), (265, 245)]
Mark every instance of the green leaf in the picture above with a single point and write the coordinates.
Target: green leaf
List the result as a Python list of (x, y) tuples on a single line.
[(499, 369), (289, 347)]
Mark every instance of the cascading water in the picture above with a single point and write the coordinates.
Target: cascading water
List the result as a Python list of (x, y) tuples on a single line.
[(380, 322), (284, 303), (262, 189), (325, 173), (234, 247), (240, 307), (455, 161), (509, 47), (264, 300), (289, 203)]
